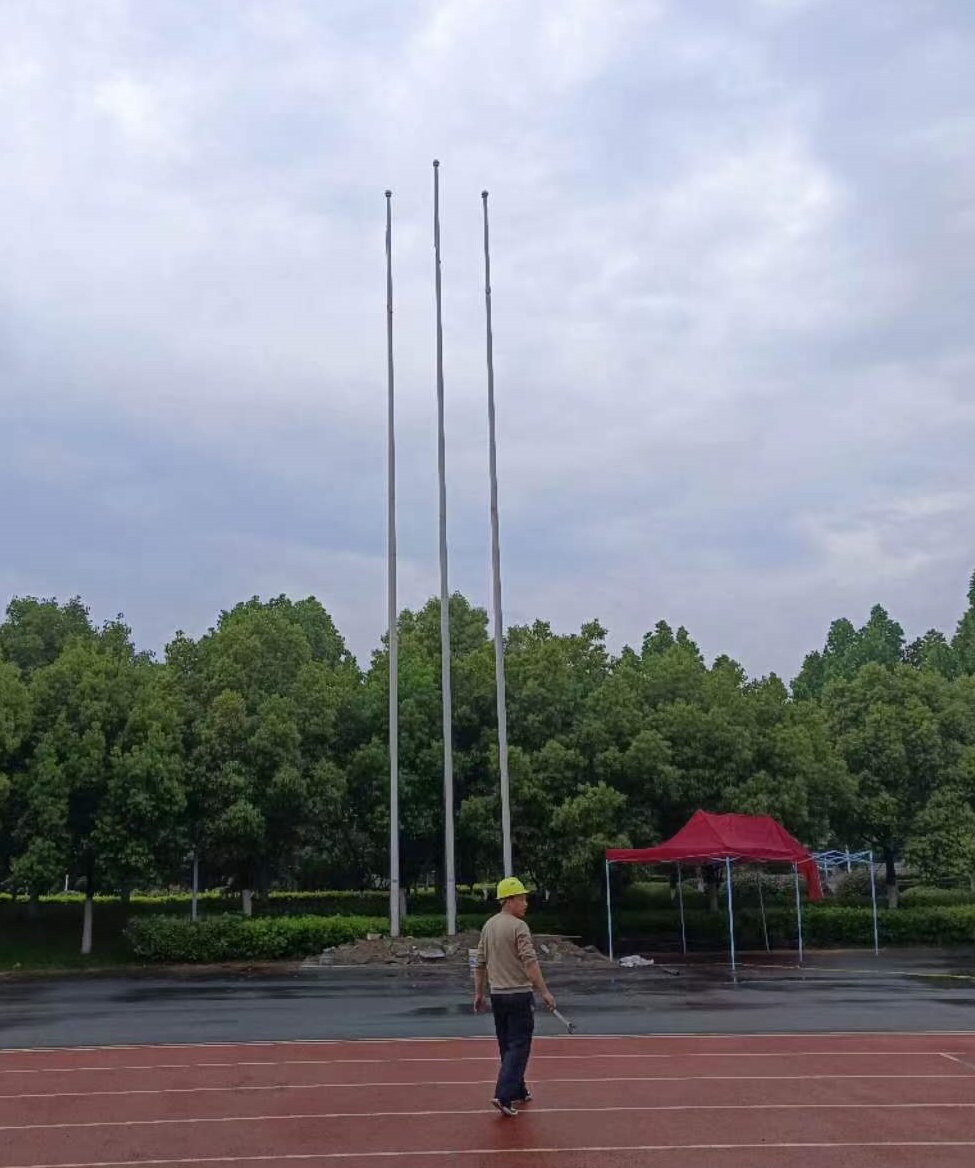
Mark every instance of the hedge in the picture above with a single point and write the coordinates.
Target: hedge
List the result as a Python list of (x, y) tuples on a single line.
[(922, 894), (824, 926), (356, 904), (235, 938)]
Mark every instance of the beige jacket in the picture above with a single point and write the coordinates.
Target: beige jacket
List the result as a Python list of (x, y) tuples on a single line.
[(505, 951)]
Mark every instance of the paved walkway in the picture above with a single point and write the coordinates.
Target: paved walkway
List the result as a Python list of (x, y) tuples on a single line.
[(914, 990)]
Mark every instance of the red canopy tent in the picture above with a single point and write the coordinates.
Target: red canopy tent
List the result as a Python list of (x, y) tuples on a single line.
[(727, 839)]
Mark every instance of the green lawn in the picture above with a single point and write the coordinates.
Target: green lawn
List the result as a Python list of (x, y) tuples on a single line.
[(49, 946)]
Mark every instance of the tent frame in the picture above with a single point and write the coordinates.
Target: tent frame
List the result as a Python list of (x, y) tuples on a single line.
[(727, 860), (829, 862)]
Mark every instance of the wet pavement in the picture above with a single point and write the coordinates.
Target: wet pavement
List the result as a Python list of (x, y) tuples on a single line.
[(907, 990)]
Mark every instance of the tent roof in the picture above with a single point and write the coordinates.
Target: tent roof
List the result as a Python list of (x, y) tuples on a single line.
[(706, 837)]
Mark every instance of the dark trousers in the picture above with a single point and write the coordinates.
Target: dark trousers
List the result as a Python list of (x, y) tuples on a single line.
[(514, 1024)]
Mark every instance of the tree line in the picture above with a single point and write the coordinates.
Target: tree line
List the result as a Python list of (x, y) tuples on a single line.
[(261, 749)]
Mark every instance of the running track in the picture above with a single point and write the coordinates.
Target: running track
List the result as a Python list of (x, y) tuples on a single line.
[(818, 1101)]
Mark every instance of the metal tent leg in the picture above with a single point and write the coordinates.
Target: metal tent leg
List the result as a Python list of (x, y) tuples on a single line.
[(873, 900), (731, 912), (761, 905), (795, 872), (680, 901), (609, 912)]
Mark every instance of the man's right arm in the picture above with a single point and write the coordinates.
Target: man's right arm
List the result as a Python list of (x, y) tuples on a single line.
[(529, 961), (534, 972)]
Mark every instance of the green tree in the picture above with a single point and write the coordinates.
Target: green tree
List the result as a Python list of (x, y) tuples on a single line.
[(138, 825), (15, 720), (879, 642), (932, 652), (903, 735), (583, 827), (264, 697), (35, 631), (421, 741), (963, 643), (98, 792), (942, 842)]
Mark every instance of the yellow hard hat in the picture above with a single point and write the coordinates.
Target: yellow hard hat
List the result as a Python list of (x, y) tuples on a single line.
[(511, 886)]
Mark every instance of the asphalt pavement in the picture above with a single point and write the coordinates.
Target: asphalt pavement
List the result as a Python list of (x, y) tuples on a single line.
[(911, 990)]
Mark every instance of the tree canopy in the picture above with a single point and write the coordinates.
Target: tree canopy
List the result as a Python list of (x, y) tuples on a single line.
[(262, 748)]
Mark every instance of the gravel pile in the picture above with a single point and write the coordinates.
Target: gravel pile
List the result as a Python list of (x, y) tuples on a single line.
[(451, 952)]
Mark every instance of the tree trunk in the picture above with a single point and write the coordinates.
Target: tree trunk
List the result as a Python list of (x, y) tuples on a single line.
[(33, 906), (713, 884), (86, 929), (247, 902), (891, 879), (196, 887)]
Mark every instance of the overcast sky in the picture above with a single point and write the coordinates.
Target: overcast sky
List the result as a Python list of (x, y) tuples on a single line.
[(734, 266)]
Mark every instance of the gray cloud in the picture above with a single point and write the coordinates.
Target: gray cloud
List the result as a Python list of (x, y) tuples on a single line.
[(733, 276)]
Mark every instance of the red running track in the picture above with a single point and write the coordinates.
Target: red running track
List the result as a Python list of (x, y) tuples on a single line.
[(819, 1101)]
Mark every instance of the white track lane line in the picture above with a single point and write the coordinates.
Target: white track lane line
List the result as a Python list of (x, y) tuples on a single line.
[(137, 1091), (576, 1038), (306, 1157), (482, 1111), (486, 1058)]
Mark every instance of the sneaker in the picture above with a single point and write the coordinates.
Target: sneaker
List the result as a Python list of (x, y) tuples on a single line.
[(504, 1108), (527, 1097)]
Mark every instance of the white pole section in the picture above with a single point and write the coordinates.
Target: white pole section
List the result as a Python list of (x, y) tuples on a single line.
[(196, 887), (680, 901), (761, 904), (448, 746), (496, 566), (609, 912), (731, 911), (392, 614), (873, 899)]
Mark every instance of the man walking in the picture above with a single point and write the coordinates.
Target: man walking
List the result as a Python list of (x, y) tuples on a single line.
[(507, 962)]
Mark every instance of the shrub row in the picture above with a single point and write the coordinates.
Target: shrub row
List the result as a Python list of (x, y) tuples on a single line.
[(922, 894), (824, 926), (234, 938), (364, 904)]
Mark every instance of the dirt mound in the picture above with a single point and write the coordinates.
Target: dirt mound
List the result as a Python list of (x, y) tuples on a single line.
[(450, 952)]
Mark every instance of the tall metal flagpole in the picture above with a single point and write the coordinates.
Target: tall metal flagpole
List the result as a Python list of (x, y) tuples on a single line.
[(496, 565), (394, 888), (448, 749)]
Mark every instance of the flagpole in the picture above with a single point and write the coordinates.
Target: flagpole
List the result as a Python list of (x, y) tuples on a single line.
[(448, 751), (496, 564), (394, 883)]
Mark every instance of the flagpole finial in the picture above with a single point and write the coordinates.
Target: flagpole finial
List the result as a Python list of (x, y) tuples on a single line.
[(484, 194), (436, 162), (389, 194)]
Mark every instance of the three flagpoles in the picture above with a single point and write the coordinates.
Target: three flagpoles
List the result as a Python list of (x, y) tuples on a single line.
[(449, 850)]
